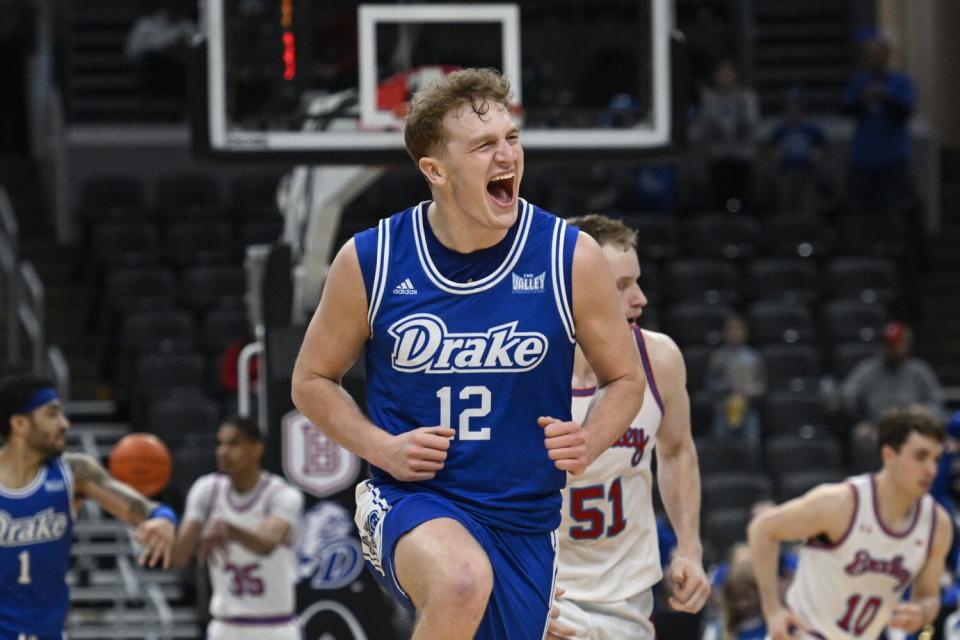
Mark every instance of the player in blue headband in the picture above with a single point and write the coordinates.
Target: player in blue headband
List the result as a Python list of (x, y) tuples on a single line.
[(40, 488)]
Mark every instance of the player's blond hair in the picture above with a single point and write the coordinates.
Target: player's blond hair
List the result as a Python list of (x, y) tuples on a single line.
[(424, 134), (606, 230)]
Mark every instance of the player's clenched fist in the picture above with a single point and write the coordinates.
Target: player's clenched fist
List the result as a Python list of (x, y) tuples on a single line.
[(566, 444), (416, 455)]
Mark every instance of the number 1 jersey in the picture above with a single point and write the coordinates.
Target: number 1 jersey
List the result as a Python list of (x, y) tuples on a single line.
[(482, 343)]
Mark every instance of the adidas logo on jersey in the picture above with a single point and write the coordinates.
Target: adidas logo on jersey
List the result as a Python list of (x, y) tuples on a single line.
[(40, 527), (405, 288), (423, 343), (529, 283)]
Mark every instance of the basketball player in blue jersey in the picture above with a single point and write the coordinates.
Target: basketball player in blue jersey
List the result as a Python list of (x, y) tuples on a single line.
[(609, 557), (469, 307), (40, 488)]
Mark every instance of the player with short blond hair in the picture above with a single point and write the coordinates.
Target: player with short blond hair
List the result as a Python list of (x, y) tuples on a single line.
[(609, 555), (468, 307)]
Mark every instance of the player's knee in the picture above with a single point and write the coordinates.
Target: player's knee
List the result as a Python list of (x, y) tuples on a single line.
[(465, 584)]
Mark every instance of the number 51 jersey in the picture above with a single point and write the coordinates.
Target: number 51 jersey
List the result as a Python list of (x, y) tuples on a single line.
[(485, 357)]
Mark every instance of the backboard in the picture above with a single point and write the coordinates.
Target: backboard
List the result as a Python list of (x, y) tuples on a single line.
[(328, 82)]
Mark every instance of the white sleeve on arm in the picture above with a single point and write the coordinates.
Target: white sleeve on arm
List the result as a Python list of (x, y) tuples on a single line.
[(199, 498), (287, 504)]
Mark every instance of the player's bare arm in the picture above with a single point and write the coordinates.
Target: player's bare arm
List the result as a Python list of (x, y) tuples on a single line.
[(826, 510), (609, 347), (333, 342), (125, 503), (187, 537), (263, 541), (678, 474), (924, 604)]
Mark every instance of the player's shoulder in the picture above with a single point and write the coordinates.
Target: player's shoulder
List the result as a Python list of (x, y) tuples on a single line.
[(842, 494), (942, 526), (663, 351), (278, 482), (280, 485), (208, 481)]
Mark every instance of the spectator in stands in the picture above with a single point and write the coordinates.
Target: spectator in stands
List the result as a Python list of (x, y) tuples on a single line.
[(707, 40), (892, 378), (739, 616), (882, 101), (726, 128), (797, 146), (158, 42), (736, 379)]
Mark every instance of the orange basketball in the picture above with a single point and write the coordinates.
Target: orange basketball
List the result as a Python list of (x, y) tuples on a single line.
[(142, 461)]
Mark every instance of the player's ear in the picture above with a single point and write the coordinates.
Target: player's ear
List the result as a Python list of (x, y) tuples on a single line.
[(887, 453), (19, 423), (432, 170)]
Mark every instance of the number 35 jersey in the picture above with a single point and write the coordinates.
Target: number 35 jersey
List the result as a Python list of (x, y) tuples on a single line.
[(248, 586), (482, 343), (608, 538)]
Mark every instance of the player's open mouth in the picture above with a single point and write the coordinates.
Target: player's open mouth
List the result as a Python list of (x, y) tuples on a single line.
[(500, 189)]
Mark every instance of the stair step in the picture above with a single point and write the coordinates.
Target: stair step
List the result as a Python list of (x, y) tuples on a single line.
[(115, 82), (803, 53), (822, 30), (794, 8), (805, 75)]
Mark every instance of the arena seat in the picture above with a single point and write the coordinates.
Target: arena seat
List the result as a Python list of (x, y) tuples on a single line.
[(722, 456), (783, 279), (656, 235), (163, 331), (125, 244), (207, 287), (701, 280), (851, 321), (790, 453), (794, 367), (200, 243), (697, 361), (736, 491), (696, 323), (184, 418), (791, 236), (139, 288), (724, 528), (722, 235), (870, 280), (780, 323), (112, 197), (188, 196), (846, 355), (794, 484), (797, 414)]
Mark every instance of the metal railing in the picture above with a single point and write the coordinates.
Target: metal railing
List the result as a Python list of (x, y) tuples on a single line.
[(9, 257), (24, 298)]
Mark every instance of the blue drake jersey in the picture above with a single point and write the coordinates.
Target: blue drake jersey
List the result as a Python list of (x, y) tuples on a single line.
[(486, 358), (36, 530)]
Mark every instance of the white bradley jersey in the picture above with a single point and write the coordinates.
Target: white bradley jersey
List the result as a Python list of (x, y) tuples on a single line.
[(247, 586), (608, 536), (848, 590)]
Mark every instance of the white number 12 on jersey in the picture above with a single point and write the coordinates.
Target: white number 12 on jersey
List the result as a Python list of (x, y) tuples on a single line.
[(446, 409)]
